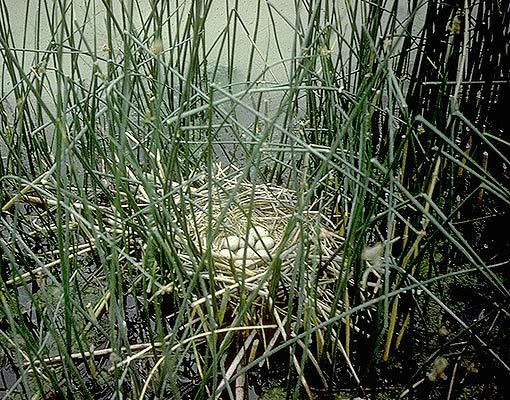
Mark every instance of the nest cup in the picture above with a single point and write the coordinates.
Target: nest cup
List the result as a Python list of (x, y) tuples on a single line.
[(249, 213)]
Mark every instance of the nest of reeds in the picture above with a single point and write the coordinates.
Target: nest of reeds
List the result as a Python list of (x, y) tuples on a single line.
[(257, 236)]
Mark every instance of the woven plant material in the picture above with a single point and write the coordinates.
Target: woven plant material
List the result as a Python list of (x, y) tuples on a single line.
[(229, 208)]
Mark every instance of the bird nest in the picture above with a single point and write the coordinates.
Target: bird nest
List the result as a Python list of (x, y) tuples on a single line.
[(259, 235)]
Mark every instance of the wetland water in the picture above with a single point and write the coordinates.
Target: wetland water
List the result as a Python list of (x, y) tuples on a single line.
[(268, 28), (32, 33), (254, 41), (267, 32)]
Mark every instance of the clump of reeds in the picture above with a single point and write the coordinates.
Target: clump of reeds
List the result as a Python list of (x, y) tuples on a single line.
[(370, 121)]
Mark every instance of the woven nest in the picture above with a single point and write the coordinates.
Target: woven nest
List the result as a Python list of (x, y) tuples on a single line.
[(246, 227)]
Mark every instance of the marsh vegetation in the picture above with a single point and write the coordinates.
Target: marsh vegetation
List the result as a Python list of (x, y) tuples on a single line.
[(246, 199)]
